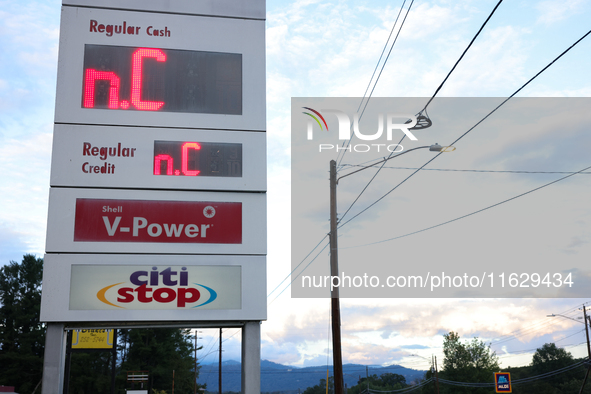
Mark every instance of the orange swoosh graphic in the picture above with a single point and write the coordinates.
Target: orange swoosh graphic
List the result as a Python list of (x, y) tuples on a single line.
[(101, 295)]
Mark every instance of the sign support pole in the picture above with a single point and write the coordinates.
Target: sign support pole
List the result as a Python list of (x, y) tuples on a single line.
[(54, 359), (251, 357), (114, 365)]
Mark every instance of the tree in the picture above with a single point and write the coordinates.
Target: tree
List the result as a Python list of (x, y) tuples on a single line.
[(385, 382), (393, 379), (160, 351), (471, 361), (90, 372), (321, 387), (550, 358), (22, 336)]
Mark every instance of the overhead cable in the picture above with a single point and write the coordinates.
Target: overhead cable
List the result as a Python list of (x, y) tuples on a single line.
[(431, 99), (472, 213), (473, 127), (462, 56), (302, 271), (380, 74), (479, 171), (293, 270)]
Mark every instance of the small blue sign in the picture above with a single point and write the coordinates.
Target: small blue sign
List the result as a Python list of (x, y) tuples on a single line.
[(503, 382)]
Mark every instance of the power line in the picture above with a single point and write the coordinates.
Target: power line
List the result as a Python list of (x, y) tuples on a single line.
[(431, 99), (293, 270), (462, 56), (519, 352), (371, 180), (301, 272), (472, 213), (479, 171), (404, 390), (459, 138), (382, 54), (523, 331), (517, 381), (473, 127), (382, 69)]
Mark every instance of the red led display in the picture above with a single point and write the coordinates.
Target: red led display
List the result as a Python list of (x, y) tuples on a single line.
[(165, 80), (136, 78), (197, 158)]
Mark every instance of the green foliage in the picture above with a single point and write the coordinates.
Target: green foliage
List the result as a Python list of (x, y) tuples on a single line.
[(160, 351), (551, 385), (22, 336), (90, 373), (550, 358), (321, 388), (471, 361), (385, 382)]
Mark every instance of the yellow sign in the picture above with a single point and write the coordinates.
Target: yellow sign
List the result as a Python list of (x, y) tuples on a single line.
[(92, 339)]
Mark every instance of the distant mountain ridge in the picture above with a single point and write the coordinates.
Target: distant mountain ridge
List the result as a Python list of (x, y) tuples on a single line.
[(279, 377)]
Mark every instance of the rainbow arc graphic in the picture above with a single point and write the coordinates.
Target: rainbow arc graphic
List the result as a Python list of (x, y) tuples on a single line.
[(315, 118)]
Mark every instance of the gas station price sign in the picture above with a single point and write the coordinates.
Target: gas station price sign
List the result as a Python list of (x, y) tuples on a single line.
[(197, 158), (131, 68), (157, 79)]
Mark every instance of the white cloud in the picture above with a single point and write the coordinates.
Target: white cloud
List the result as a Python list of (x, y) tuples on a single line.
[(553, 11), (25, 187)]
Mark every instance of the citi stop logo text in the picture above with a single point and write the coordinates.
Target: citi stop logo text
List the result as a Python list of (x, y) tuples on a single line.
[(158, 287), (390, 123)]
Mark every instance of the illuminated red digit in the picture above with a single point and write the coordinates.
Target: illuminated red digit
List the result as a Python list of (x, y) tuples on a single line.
[(89, 86), (185, 157), (136, 78), (158, 159)]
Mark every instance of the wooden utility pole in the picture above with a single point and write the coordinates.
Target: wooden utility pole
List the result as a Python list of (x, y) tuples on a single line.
[(433, 373), (588, 349), (436, 376), (337, 358), (220, 363), (195, 386)]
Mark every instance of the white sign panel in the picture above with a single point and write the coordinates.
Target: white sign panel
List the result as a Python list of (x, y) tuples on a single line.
[(98, 287), (127, 221), (81, 287), (150, 69), (156, 158)]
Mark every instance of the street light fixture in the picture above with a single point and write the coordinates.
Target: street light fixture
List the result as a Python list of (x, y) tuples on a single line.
[(566, 317), (337, 357)]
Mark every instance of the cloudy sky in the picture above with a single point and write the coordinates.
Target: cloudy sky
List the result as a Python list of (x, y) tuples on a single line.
[(330, 49)]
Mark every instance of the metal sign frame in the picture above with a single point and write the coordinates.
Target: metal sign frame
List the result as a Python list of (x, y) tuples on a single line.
[(246, 9), (57, 279), (75, 145), (229, 35), (62, 216)]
